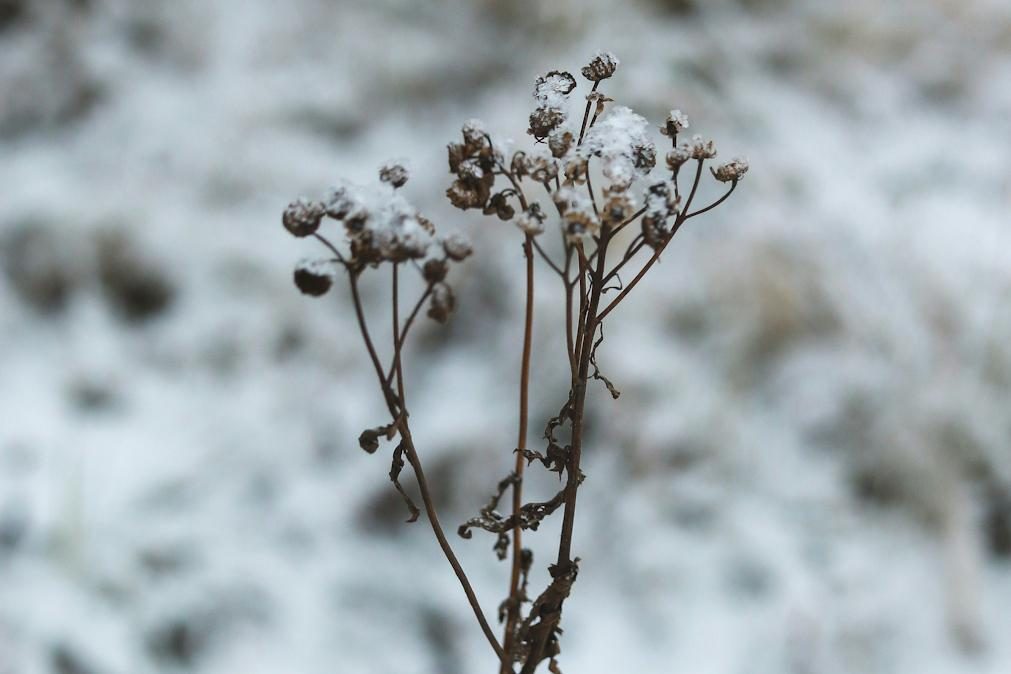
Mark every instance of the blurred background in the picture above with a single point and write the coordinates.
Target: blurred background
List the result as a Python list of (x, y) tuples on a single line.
[(808, 471)]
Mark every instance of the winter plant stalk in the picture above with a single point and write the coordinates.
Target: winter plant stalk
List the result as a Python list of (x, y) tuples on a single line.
[(594, 247)]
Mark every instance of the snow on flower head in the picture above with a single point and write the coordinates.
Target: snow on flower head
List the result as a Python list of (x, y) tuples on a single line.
[(732, 171), (552, 89), (620, 139), (677, 122), (380, 221), (601, 66)]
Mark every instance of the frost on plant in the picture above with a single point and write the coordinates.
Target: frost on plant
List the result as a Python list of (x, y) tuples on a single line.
[(591, 177)]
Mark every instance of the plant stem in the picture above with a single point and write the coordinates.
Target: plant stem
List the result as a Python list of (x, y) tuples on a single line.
[(521, 444), (398, 410)]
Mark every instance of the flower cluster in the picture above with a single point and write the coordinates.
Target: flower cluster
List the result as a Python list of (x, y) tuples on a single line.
[(613, 140), (473, 162), (379, 226)]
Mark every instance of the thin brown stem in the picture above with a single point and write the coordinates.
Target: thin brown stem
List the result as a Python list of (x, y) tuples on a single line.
[(551, 263), (513, 613), (586, 114), (397, 408), (716, 203)]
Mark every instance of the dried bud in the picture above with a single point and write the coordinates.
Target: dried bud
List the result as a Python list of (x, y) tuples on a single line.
[(519, 165), (302, 217), (369, 439), (601, 66), (435, 270), (393, 174), (599, 100), (678, 156), (531, 221), (544, 120), (464, 196), (313, 278), (457, 248), (677, 122), (559, 142), (441, 304), (732, 171), (702, 149), (499, 205)]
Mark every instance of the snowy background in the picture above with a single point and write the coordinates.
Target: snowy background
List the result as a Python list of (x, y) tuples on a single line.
[(808, 472)]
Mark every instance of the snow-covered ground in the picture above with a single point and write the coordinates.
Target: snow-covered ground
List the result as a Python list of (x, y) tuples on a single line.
[(808, 472)]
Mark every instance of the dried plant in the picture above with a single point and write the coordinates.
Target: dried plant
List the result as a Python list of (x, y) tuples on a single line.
[(382, 230)]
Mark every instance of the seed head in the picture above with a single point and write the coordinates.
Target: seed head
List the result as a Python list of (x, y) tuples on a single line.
[(301, 218), (457, 247), (338, 203), (677, 122), (440, 306), (702, 149), (553, 87), (678, 156), (543, 169), (544, 120), (559, 142), (313, 278), (531, 221), (499, 205), (601, 66), (732, 171), (434, 270), (393, 174)]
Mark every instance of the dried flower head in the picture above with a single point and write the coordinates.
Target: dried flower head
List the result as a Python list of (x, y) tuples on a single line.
[(434, 270), (732, 171), (338, 203), (677, 122), (554, 87), (559, 142), (313, 277), (543, 169), (302, 217), (601, 66), (441, 304), (393, 174), (620, 139), (474, 133), (531, 221), (678, 156), (577, 213), (661, 205), (702, 149), (618, 207), (575, 171), (457, 247), (544, 120), (499, 205)]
